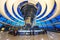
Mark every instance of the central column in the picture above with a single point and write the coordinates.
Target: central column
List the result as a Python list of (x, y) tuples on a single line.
[(28, 11), (28, 20)]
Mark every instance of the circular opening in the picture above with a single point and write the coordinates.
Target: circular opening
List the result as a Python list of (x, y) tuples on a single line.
[(28, 10)]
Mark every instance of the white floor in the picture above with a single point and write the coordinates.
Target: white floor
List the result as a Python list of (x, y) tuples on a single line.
[(48, 36)]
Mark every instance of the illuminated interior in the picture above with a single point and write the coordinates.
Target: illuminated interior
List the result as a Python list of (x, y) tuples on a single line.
[(46, 17)]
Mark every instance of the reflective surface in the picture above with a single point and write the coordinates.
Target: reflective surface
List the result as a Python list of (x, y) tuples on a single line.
[(53, 36), (48, 36)]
